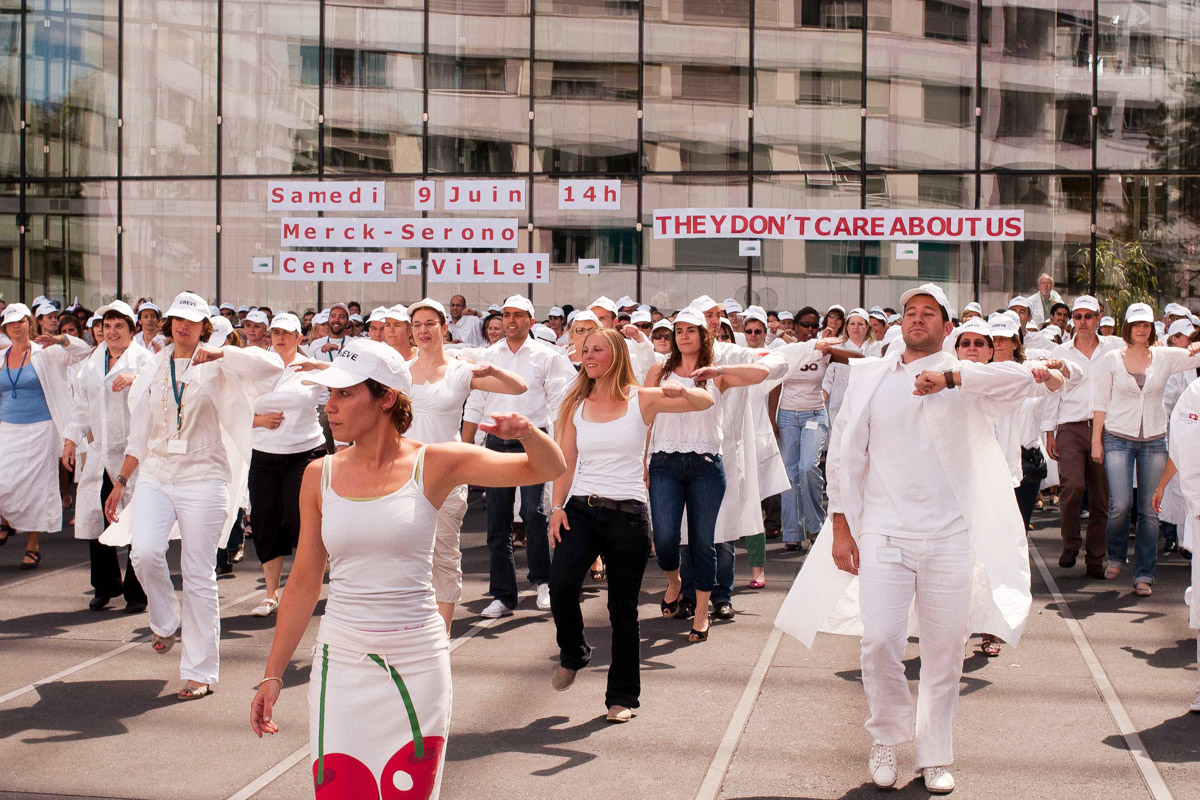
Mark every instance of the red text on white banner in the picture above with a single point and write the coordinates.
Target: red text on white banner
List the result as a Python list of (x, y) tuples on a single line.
[(335, 266), (398, 232), (489, 268), (774, 223), (325, 195)]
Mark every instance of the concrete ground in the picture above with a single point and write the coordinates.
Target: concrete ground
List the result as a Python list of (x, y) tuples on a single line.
[(87, 710)]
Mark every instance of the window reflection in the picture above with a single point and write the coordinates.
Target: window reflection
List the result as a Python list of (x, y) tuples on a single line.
[(71, 241)]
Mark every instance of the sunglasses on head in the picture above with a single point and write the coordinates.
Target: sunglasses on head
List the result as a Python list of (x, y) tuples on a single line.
[(976, 343)]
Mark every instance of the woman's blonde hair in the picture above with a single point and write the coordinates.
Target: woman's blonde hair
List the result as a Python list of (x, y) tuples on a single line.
[(620, 373)]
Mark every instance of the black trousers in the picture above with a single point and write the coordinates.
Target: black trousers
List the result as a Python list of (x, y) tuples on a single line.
[(106, 566), (275, 480), (772, 508), (623, 539)]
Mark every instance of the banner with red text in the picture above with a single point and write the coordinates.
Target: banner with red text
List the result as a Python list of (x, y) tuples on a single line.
[(337, 266), (927, 225), (398, 232), (488, 268)]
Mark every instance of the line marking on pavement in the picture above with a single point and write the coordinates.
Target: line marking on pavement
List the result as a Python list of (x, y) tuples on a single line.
[(41, 575), (711, 787), (262, 781), (1150, 774)]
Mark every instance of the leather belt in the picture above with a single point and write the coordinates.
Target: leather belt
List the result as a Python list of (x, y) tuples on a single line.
[(625, 506)]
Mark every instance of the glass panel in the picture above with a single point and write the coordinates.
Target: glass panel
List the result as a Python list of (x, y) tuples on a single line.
[(586, 87), (71, 88), (609, 235), (808, 88), (1149, 86), (71, 242), (1037, 85), (696, 85), (373, 86), (1057, 234), (170, 115), (921, 73), (10, 244), (676, 271), (10, 88), (170, 242), (479, 85), (1163, 215), (269, 88)]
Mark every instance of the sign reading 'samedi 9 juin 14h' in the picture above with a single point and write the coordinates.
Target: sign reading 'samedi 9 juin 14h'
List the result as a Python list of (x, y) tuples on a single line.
[(499, 233)]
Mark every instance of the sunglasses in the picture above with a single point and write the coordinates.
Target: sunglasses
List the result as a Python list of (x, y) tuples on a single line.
[(660, 336), (976, 343), (1081, 316), (807, 324), (645, 326)]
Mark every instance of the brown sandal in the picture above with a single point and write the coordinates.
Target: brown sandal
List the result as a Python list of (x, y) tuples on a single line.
[(162, 644), (37, 559), (990, 646), (194, 692)]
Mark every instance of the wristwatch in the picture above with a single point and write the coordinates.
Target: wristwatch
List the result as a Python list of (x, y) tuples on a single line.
[(121, 479), (949, 376)]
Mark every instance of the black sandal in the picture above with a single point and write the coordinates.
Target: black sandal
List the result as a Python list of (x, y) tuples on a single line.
[(37, 559), (5, 532), (670, 609), (695, 637)]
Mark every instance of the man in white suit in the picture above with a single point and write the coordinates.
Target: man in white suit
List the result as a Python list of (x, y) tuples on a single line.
[(1043, 300)]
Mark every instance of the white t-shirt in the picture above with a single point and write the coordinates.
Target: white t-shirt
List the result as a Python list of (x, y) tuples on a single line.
[(300, 430), (908, 495), (438, 407)]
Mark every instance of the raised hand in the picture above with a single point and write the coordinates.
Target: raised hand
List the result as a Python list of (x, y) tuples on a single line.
[(929, 382), (705, 374), (508, 426), (204, 354)]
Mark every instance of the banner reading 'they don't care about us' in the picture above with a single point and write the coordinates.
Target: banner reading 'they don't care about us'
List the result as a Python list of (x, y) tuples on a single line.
[(855, 225)]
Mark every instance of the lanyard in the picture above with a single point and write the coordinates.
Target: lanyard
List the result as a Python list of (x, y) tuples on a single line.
[(11, 380), (177, 389), (107, 360), (333, 353)]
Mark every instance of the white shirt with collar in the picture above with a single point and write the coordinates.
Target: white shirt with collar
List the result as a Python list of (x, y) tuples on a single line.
[(546, 371), (468, 329), (1074, 402), (1130, 411)]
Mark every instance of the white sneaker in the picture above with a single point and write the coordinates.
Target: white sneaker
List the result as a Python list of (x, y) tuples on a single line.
[(1195, 706), (882, 765), (543, 601), (497, 609), (266, 608), (938, 780)]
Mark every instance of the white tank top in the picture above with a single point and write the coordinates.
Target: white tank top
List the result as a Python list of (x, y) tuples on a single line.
[(380, 555), (610, 455), (692, 432), (438, 407)]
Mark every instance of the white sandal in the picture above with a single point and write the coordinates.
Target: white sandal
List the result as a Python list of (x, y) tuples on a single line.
[(266, 608)]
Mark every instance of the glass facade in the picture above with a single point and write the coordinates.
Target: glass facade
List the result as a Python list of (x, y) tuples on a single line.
[(137, 136)]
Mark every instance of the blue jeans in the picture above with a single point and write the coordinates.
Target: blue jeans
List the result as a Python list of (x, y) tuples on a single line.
[(722, 591), (695, 482), (1121, 457), (502, 583), (801, 446)]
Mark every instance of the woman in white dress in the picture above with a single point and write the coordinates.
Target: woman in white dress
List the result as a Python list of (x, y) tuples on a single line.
[(380, 690)]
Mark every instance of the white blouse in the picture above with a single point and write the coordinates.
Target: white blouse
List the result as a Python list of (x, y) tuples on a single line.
[(691, 432), (438, 407), (1130, 411), (300, 430)]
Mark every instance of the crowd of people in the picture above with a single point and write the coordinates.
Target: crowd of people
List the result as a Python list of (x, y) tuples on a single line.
[(905, 449)]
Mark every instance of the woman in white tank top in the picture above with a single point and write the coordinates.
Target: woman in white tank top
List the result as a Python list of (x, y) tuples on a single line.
[(379, 698), (601, 429), (440, 389)]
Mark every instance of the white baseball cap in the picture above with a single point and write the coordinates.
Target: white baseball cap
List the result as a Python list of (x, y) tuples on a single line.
[(861, 313), (398, 313), (663, 324), (555, 311), (377, 315), (520, 303), (225, 306), (973, 306), (691, 316), (213, 310), (1160, 330), (1175, 310), (893, 319), (363, 359), (1023, 302), (934, 291), (431, 304), (755, 312), (148, 306), (585, 316), (321, 318), (1051, 331), (1183, 326), (285, 321), (41, 298), (1003, 325), (243, 308), (15, 312), (639, 316), (94, 319), (119, 306), (704, 303), (973, 325), (875, 313), (44, 309), (836, 307), (342, 306), (544, 332), (1031, 326), (493, 308), (356, 318), (221, 328), (1087, 303), (733, 307), (1139, 312), (893, 333), (1108, 321), (782, 315), (625, 301), (257, 316), (189, 306), (605, 303)]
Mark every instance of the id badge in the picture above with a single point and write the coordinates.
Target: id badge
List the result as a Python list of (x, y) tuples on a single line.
[(811, 425), (177, 447), (888, 555)]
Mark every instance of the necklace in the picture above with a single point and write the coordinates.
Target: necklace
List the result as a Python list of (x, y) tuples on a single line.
[(14, 381)]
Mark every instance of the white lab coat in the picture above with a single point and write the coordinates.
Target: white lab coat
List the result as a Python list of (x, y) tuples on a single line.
[(961, 422), (100, 420), (1035, 306), (232, 383), (50, 364), (1184, 445)]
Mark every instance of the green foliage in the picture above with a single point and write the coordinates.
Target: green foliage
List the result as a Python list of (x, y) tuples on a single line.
[(1124, 275)]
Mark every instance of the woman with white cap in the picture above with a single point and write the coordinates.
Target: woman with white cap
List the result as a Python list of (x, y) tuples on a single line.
[(254, 329), (834, 322), (101, 419), (376, 323), (856, 336), (661, 335), (149, 318), (686, 470), (380, 688), (581, 327), (35, 407), (397, 332), (600, 507), (46, 317), (440, 387), (287, 437), (1129, 432), (190, 436)]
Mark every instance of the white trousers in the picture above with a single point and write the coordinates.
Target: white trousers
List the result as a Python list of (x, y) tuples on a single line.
[(938, 573), (447, 557), (199, 508)]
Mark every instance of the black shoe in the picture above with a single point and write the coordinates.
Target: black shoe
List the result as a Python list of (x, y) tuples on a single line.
[(134, 608), (1096, 572), (774, 534), (1187, 554), (224, 569), (687, 609), (794, 547), (1068, 557), (98, 603), (723, 610), (1171, 547)]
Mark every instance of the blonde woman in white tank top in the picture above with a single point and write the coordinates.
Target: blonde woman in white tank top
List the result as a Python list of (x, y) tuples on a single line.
[(600, 508), (380, 694)]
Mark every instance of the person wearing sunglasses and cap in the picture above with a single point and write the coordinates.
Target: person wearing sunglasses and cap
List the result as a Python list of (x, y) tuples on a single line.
[(35, 410), (914, 514), (101, 418), (380, 687), (1129, 432), (190, 439), (286, 438), (1070, 443)]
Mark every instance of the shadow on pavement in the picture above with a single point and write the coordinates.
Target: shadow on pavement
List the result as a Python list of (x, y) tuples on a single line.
[(912, 672), (542, 737), (1172, 741), (1122, 602), (1178, 656), (83, 710), (868, 791), (53, 623)]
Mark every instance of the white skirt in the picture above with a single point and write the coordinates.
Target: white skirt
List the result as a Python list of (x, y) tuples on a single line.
[(29, 496)]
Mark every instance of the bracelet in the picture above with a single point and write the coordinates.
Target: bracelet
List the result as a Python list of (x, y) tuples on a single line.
[(556, 508), (121, 479), (719, 370), (949, 376), (271, 678)]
